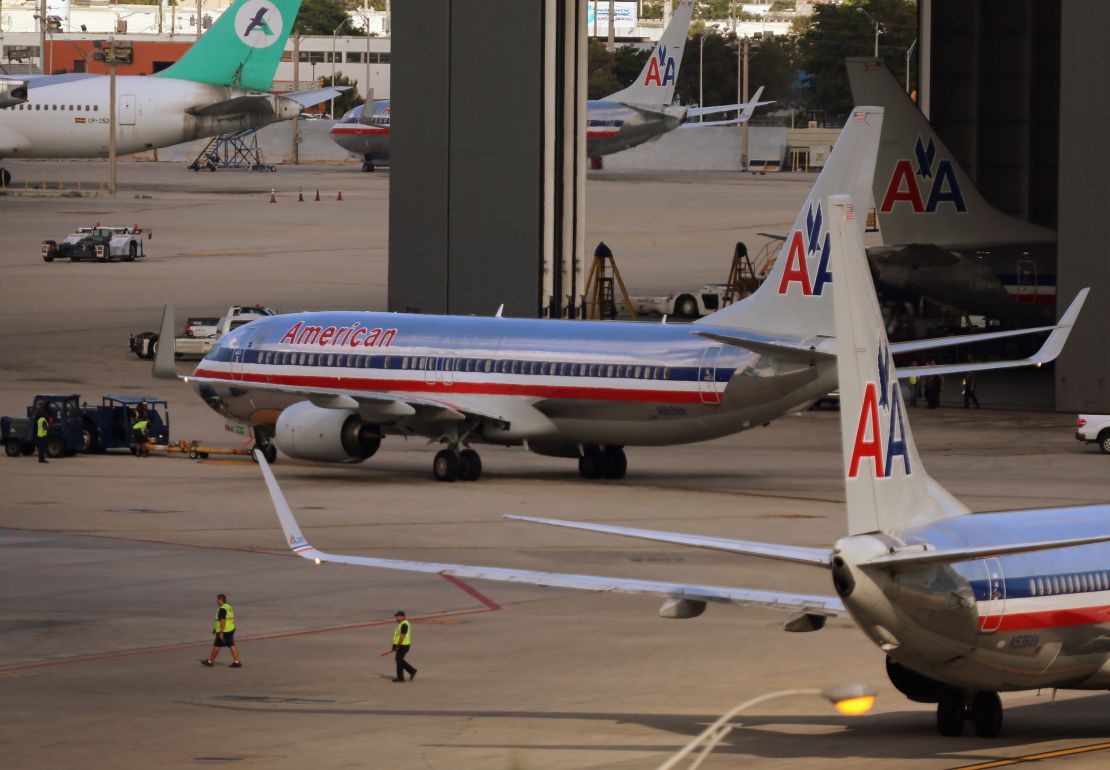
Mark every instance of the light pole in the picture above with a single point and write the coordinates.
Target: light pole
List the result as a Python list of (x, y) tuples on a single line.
[(331, 107), (701, 68), (909, 53), (849, 699), (878, 29), (743, 52)]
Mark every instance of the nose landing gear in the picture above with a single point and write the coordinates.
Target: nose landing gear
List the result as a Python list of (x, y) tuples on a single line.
[(597, 462), (983, 710)]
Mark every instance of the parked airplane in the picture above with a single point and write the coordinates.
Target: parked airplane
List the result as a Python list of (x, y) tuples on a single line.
[(942, 240), (219, 85), (964, 606), (328, 386), (631, 116)]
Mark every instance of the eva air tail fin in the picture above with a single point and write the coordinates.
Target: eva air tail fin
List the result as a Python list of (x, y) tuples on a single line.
[(796, 296), (887, 486), (243, 47), (655, 85)]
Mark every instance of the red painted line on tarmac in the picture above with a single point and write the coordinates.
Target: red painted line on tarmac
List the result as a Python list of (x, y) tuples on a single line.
[(490, 603), (260, 638)]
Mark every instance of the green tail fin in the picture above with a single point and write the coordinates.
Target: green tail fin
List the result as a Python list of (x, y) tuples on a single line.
[(242, 48)]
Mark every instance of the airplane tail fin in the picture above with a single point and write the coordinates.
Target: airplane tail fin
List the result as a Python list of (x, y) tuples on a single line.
[(887, 486), (795, 298), (655, 85), (921, 192), (243, 47)]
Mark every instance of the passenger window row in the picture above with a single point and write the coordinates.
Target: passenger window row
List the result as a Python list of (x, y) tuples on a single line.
[(1069, 584), (56, 107), (470, 365)]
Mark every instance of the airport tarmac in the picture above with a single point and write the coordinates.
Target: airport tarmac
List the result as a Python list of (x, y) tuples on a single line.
[(110, 564)]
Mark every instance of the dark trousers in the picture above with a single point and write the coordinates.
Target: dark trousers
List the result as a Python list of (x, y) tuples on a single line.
[(402, 664), (41, 444), (969, 398)]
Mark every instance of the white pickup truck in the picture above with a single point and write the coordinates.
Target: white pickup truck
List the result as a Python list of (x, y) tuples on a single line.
[(193, 344), (1094, 429)]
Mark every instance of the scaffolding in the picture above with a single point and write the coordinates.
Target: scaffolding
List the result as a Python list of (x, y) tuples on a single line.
[(235, 150), (742, 279), (600, 284)]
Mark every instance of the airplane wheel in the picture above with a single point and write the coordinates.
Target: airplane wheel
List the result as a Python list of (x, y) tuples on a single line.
[(986, 714), (269, 451), (615, 463), (470, 463), (446, 465), (591, 462), (951, 713), (5, 177)]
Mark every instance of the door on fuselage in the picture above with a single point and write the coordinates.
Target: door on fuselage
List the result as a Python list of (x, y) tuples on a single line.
[(708, 387), (993, 606)]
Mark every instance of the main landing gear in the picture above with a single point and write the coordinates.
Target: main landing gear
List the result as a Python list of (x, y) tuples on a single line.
[(367, 163), (982, 709), (264, 442), (457, 465), (602, 462)]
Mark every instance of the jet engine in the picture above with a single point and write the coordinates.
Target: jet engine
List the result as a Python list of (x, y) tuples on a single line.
[(309, 432), (917, 687)]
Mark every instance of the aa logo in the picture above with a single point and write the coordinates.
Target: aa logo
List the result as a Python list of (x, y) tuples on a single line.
[(661, 69), (880, 400), (923, 188), (800, 250), (259, 24)]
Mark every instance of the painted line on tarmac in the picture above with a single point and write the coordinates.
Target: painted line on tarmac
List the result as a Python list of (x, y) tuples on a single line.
[(490, 603), (261, 638), (1037, 757)]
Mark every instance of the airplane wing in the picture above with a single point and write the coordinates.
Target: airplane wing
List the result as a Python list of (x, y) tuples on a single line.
[(1055, 341), (1047, 352), (316, 95), (825, 606), (747, 107), (820, 557)]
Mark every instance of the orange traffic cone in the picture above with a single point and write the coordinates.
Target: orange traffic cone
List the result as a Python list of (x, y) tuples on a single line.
[(300, 196), (317, 193), (340, 194), (273, 198)]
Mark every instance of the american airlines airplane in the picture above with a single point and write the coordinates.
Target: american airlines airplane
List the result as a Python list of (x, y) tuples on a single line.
[(963, 606), (328, 386), (941, 239), (632, 116), (221, 84)]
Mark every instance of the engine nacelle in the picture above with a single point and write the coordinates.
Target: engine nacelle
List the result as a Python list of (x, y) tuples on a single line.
[(309, 432), (917, 687)]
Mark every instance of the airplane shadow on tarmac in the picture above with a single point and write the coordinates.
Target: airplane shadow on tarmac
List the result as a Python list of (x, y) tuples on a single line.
[(891, 735)]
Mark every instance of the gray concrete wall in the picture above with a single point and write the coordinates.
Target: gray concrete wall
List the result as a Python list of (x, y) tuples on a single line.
[(1083, 371)]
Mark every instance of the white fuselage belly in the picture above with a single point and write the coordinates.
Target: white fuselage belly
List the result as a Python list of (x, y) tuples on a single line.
[(70, 120)]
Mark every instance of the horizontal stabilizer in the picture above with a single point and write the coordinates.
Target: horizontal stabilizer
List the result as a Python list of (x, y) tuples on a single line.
[(949, 555), (316, 95), (783, 350), (814, 605), (819, 557), (1047, 352), (238, 105)]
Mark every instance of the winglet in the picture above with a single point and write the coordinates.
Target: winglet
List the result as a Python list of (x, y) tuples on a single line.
[(289, 526), (163, 367), (1055, 342)]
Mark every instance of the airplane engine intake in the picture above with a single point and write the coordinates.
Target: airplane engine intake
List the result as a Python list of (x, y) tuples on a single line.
[(917, 687), (309, 432)]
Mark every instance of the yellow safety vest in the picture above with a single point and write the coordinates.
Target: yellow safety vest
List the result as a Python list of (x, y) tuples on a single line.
[(403, 633), (229, 621), (140, 426), (42, 427)]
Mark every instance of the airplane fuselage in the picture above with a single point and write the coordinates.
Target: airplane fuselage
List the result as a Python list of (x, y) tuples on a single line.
[(1038, 619), (610, 127), (71, 119), (608, 383)]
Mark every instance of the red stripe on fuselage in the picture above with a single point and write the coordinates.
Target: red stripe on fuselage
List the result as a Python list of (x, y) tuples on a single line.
[(356, 384), (1025, 621), (359, 130)]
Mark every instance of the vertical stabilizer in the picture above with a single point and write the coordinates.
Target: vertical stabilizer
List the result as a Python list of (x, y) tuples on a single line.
[(796, 296), (921, 193), (887, 486), (243, 47), (655, 85)]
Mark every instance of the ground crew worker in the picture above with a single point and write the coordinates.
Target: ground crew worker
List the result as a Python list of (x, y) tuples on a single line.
[(42, 428), (224, 629), (402, 641), (969, 390), (138, 435)]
